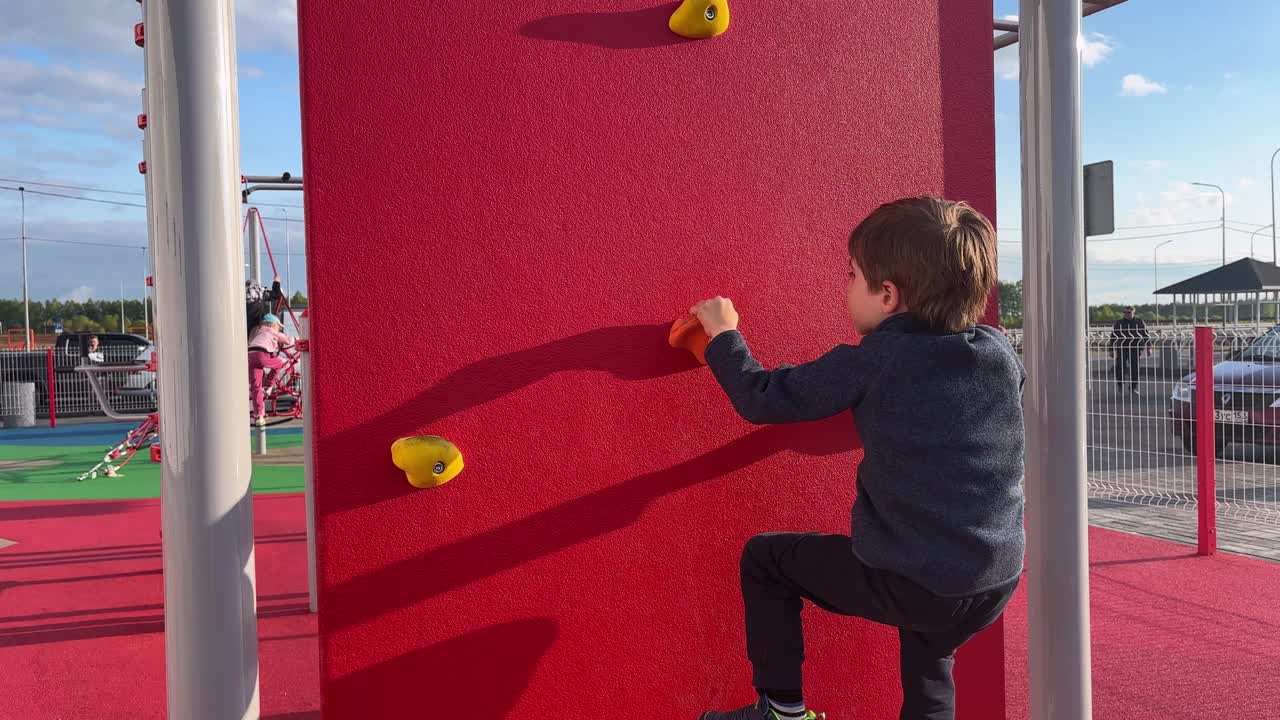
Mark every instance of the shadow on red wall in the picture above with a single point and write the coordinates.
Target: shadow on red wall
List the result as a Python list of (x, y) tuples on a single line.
[(474, 558), (629, 352), (427, 682), (631, 30)]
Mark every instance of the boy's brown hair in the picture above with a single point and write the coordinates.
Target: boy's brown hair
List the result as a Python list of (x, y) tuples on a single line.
[(940, 254)]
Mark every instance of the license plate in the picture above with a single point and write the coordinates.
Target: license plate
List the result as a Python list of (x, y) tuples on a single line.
[(1231, 416)]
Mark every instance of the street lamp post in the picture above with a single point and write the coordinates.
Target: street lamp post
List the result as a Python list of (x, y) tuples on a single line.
[(26, 297), (1254, 233), (288, 282), (1273, 205), (1224, 217), (1155, 274)]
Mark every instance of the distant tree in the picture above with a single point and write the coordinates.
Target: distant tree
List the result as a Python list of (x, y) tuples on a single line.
[(1105, 314), (81, 323), (1011, 303)]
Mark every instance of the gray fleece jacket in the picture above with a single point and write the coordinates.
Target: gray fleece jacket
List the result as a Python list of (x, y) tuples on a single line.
[(939, 493)]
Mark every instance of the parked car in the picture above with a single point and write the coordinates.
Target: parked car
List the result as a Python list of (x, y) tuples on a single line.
[(1246, 397), (71, 350)]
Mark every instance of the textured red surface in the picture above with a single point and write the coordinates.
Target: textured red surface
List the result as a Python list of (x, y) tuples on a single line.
[(508, 203), (82, 614), (1175, 636)]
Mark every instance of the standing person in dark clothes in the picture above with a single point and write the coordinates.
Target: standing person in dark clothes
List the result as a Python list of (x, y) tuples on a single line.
[(260, 302), (1129, 337)]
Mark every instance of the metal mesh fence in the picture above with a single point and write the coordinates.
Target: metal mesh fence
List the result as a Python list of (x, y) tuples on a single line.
[(1246, 410), (1141, 440), (53, 374), (1135, 451)]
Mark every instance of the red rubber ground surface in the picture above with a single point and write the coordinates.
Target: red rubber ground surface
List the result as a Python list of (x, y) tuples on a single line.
[(82, 620), (1175, 636)]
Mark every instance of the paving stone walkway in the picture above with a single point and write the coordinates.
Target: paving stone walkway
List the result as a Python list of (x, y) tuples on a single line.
[(1243, 533)]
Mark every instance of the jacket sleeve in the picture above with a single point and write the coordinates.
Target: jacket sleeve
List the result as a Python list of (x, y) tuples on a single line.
[(832, 384), (284, 340)]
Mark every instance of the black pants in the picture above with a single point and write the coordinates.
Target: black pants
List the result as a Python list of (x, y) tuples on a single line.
[(780, 570), (1127, 362)]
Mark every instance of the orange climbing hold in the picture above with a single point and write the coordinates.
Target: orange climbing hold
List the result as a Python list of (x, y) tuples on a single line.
[(687, 333)]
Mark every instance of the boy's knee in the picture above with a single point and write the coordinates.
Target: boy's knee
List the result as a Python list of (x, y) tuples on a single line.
[(756, 554)]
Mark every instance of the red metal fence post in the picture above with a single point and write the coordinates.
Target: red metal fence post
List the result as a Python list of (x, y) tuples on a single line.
[(1206, 490), (51, 383)]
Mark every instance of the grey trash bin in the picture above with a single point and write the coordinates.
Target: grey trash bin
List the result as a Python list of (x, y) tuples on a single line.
[(17, 404)]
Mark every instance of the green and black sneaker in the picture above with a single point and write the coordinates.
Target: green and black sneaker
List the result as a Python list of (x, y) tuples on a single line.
[(759, 710)]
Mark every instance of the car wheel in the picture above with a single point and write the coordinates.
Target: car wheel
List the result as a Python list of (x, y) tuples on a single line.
[(1219, 443)]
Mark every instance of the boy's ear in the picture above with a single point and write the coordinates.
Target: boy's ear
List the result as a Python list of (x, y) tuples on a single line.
[(890, 298)]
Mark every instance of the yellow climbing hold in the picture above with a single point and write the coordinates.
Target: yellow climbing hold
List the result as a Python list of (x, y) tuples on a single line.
[(427, 460), (700, 18)]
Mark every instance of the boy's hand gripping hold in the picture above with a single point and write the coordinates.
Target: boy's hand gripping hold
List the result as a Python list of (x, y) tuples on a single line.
[(717, 316)]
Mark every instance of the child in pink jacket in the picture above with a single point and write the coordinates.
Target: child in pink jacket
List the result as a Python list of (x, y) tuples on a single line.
[(268, 340)]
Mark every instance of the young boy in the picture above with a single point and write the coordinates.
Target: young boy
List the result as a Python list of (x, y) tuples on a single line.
[(937, 541)]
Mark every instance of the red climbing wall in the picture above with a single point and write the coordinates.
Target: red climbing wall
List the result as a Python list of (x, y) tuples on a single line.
[(507, 204)]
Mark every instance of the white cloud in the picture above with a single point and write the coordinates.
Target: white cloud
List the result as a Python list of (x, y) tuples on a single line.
[(1007, 63), (1155, 164), (106, 26), (1246, 182), (1139, 86), (267, 25), (1185, 194), (250, 71), (1181, 203), (86, 84), (1230, 75), (70, 97), (1095, 48), (1012, 18), (84, 293)]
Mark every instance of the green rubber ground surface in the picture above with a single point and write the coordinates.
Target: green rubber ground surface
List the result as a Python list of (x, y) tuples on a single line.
[(49, 473)]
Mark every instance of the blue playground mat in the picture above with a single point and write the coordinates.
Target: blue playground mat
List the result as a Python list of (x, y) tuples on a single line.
[(103, 434)]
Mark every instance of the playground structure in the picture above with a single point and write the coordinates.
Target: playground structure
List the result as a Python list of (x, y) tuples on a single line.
[(282, 388), (551, 557)]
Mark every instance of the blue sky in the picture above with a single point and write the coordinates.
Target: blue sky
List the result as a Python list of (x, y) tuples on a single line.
[(1175, 91), (1202, 108)]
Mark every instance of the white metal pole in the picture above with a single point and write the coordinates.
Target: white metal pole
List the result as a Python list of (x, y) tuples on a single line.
[(1224, 221), (1054, 268), (26, 297), (211, 633), (1273, 205), (288, 264), (308, 464), (1155, 274), (255, 247), (1254, 234), (146, 312), (148, 267), (123, 328), (255, 273)]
